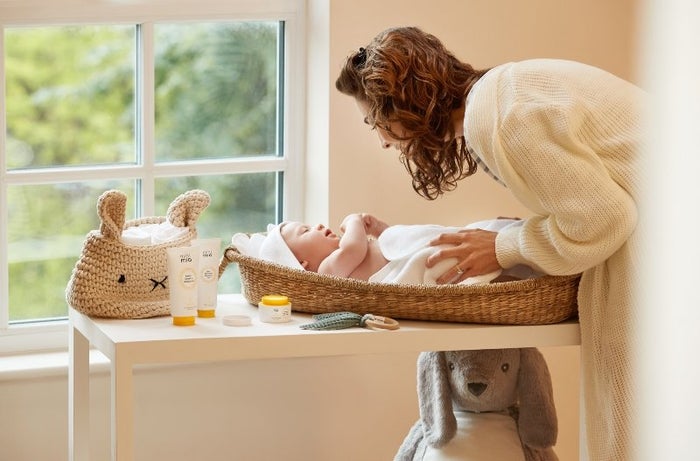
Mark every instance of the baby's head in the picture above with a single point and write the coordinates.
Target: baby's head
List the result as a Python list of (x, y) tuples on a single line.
[(298, 245), (310, 245)]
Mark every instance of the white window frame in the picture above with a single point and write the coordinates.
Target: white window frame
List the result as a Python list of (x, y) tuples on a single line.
[(53, 335)]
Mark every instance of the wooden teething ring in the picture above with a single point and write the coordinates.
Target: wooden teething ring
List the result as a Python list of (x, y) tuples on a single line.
[(378, 322)]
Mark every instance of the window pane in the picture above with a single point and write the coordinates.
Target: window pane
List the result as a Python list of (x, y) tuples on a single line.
[(46, 231), (216, 90), (69, 95), (239, 203), (71, 99)]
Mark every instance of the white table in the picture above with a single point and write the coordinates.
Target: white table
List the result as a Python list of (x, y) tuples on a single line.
[(127, 343)]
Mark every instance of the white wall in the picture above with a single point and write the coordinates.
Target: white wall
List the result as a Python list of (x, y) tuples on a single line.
[(669, 385), (329, 409), (345, 408)]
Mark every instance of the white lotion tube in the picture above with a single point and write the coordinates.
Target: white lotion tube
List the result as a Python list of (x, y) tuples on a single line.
[(210, 251), (183, 266)]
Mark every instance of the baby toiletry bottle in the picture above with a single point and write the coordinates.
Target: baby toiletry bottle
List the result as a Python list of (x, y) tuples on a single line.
[(208, 275), (183, 263)]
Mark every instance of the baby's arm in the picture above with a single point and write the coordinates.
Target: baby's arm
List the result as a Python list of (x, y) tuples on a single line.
[(352, 249), (373, 226)]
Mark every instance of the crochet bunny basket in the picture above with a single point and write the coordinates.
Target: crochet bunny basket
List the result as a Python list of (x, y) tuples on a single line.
[(114, 279), (483, 405)]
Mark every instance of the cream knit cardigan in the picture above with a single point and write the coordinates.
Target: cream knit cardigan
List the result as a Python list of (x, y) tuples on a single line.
[(565, 137)]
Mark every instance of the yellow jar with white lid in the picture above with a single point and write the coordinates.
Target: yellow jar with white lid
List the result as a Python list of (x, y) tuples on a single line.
[(275, 309)]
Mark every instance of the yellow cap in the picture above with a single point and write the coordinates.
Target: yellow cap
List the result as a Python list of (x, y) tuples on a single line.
[(183, 321), (206, 314), (275, 300)]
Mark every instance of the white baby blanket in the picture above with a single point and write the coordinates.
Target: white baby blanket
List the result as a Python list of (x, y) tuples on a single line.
[(406, 247)]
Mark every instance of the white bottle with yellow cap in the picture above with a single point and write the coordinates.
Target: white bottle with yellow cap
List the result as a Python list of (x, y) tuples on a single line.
[(183, 263)]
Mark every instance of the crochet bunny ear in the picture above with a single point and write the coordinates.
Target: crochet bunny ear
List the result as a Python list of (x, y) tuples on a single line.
[(111, 208), (185, 209)]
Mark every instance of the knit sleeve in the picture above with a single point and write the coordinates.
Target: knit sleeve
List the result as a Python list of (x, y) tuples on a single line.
[(583, 215)]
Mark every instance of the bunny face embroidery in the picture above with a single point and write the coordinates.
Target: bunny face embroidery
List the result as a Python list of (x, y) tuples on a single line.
[(116, 280)]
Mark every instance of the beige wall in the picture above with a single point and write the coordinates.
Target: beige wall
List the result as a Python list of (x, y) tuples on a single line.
[(364, 177)]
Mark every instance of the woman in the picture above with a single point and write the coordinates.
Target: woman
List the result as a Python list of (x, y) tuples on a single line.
[(564, 138)]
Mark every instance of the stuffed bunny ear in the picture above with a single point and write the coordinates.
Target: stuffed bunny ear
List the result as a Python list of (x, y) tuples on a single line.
[(435, 399), (111, 208), (411, 443), (537, 422), (186, 208)]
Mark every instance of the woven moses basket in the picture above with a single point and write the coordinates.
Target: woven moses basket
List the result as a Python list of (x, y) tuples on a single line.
[(536, 301), (115, 280)]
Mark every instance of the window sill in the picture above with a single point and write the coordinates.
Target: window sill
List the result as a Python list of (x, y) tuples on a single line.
[(34, 338), (45, 364)]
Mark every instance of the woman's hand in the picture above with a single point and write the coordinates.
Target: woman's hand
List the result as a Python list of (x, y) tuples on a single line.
[(475, 250)]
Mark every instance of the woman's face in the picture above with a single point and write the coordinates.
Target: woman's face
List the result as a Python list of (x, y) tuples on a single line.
[(310, 245), (385, 133)]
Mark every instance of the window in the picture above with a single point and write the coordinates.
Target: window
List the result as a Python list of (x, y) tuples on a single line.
[(153, 99)]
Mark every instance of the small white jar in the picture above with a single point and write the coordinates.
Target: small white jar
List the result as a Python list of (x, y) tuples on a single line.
[(275, 309)]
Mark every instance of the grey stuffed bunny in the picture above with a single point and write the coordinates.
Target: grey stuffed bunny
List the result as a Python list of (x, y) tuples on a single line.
[(483, 405)]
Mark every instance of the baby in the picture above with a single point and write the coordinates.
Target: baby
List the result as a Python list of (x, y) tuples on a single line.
[(356, 254), (369, 249)]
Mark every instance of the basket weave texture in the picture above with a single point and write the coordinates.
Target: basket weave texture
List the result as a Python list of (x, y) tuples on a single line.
[(112, 279), (537, 301)]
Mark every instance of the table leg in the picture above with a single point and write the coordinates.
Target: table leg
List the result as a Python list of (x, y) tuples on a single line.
[(122, 409), (78, 396)]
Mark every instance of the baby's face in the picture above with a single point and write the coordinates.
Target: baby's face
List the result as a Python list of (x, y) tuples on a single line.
[(309, 244)]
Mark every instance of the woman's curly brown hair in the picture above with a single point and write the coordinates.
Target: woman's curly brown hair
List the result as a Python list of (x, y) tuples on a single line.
[(407, 76)]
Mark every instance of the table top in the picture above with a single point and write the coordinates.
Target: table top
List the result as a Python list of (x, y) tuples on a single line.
[(156, 340)]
